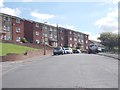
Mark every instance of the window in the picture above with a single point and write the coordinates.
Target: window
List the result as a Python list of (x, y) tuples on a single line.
[(61, 31), (75, 39), (70, 32), (61, 38), (6, 18), (70, 38), (37, 33), (37, 25), (82, 41), (17, 20), (45, 27), (55, 36), (70, 45), (17, 29), (51, 29), (7, 37), (55, 30), (74, 45), (51, 36), (6, 28), (86, 47), (45, 35), (18, 39), (37, 41)]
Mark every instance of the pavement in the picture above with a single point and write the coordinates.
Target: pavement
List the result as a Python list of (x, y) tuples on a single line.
[(115, 56)]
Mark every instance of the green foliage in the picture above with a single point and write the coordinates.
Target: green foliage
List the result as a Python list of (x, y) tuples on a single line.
[(108, 39), (24, 40), (13, 48)]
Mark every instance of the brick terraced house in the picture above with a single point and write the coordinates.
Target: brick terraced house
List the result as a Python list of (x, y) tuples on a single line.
[(13, 29)]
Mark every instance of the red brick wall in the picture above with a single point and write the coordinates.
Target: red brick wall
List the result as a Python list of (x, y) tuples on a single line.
[(29, 54), (14, 26), (36, 37), (28, 32)]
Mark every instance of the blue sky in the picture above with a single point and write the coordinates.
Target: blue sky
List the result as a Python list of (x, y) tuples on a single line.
[(88, 17)]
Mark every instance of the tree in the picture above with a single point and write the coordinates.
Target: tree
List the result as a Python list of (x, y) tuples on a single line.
[(109, 39)]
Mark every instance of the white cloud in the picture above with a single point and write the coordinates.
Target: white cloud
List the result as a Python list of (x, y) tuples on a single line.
[(109, 23), (64, 26), (1, 3), (115, 1), (10, 11), (41, 16), (91, 36)]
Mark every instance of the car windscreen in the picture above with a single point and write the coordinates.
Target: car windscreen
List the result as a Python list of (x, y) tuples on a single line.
[(57, 48)]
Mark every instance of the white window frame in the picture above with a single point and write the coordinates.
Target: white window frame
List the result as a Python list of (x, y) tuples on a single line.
[(70, 45), (37, 33), (70, 39), (17, 20), (8, 18), (18, 29), (51, 35), (82, 41), (36, 24), (75, 39), (18, 39), (61, 38), (51, 29), (4, 28), (8, 28), (37, 41), (55, 36)]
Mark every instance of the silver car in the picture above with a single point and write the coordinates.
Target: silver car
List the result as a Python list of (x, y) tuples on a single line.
[(58, 50)]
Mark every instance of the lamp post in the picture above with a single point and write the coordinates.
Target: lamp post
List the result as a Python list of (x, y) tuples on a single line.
[(44, 38)]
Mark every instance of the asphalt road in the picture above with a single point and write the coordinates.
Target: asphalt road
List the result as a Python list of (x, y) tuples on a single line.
[(64, 71)]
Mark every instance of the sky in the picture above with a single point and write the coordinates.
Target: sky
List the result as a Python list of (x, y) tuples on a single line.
[(90, 17)]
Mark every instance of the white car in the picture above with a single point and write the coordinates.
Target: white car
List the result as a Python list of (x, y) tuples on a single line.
[(68, 50)]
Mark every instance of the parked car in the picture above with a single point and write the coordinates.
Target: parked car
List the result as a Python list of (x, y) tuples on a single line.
[(64, 50), (99, 49), (76, 51), (58, 50), (68, 50), (92, 48)]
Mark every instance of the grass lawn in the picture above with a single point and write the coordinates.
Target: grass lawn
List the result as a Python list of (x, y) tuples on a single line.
[(13, 48)]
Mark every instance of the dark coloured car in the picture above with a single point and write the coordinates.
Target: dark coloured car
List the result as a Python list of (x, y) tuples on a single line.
[(58, 51)]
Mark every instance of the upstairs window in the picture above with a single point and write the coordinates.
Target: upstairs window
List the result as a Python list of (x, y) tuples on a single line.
[(37, 25), (6, 18), (71, 39), (37, 33), (37, 41), (6, 28), (17, 20), (17, 29)]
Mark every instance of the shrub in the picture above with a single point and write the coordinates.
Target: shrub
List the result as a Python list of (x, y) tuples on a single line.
[(24, 40)]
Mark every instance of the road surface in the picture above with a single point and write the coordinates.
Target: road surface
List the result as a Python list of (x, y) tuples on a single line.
[(64, 71)]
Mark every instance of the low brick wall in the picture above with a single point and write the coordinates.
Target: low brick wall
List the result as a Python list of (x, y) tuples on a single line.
[(28, 54)]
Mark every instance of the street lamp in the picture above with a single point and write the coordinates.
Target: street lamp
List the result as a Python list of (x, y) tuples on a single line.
[(44, 38)]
